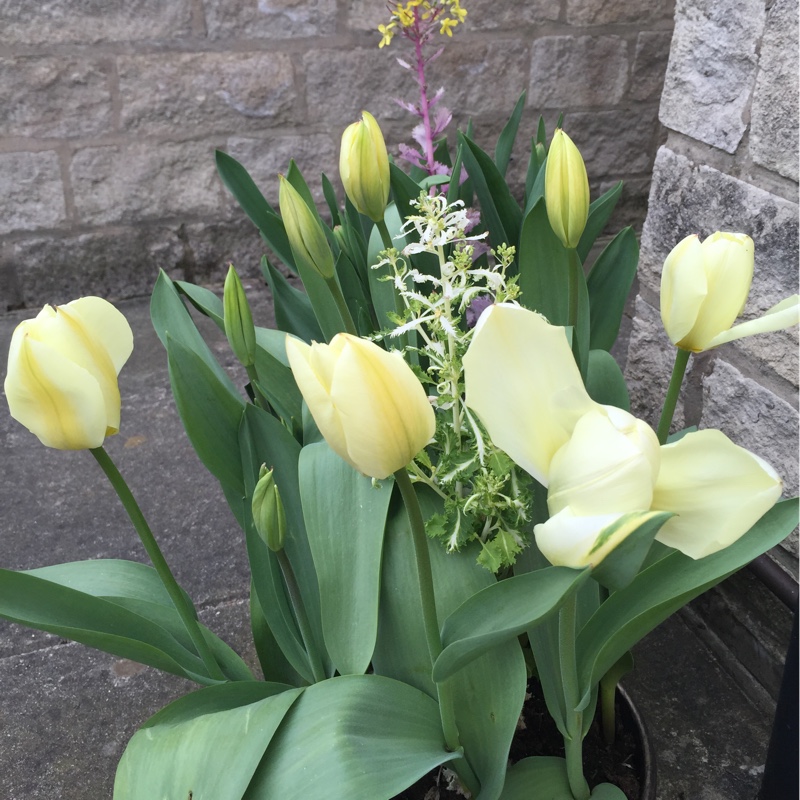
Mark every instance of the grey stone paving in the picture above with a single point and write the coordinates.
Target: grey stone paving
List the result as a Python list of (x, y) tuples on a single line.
[(66, 712)]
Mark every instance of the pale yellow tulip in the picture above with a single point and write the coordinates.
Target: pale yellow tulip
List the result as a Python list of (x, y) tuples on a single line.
[(364, 167), (367, 403), (61, 382), (566, 190), (717, 490)]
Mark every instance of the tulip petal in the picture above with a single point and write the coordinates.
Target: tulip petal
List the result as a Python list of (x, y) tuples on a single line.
[(683, 288), (106, 325), (717, 490), (780, 316), (522, 382), (54, 398)]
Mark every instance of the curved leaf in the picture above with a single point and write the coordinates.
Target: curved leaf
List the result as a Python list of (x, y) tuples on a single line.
[(599, 213), (605, 382), (539, 777)]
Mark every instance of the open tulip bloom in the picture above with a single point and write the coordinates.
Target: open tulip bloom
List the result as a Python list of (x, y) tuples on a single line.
[(431, 478)]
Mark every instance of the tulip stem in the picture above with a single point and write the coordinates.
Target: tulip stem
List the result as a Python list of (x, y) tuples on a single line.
[(386, 237), (179, 598), (341, 305), (431, 625), (674, 389), (302, 618), (573, 741)]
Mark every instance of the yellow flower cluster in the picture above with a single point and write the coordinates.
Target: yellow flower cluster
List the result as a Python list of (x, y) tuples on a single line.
[(448, 13)]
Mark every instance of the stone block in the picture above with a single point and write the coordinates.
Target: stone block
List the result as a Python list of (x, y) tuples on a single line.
[(93, 21), (54, 97), (215, 246), (617, 12), (774, 126), (712, 69), (616, 142), (570, 71), (649, 65), (32, 194), (115, 263), (170, 94), (270, 19), (126, 183)]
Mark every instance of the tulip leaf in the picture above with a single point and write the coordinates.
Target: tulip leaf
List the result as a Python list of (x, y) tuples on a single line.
[(94, 621), (599, 213), (253, 203), (293, 311), (501, 612), (605, 382), (138, 588), (454, 189), (500, 213), (539, 777), (274, 665), (355, 736), (355, 297), (330, 198), (275, 377), (345, 516), (488, 693), (544, 267), (623, 563), (209, 411), (609, 283), (204, 746), (268, 442), (505, 142), (204, 300), (607, 791), (660, 590)]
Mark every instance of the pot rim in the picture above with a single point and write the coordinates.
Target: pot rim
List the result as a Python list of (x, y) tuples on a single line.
[(646, 745)]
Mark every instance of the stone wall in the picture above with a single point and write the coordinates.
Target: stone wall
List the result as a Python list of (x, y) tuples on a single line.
[(730, 104), (112, 111)]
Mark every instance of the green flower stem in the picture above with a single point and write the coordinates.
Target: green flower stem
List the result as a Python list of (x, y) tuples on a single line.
[(671, 400), (386, 237), (431, 625), (573, 742), (572, 312), (302, 618), (179, 599), (608, 711), (341, 304)]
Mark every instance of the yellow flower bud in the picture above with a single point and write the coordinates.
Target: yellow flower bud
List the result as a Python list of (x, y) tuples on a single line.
[(364, 167), (61, 382), (367, 403), (306, 236), (566, 190), (704, 288), (238, 320), (269, 516)]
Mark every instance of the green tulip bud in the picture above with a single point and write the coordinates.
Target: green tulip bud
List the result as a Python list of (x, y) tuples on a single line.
[(566, 190), (541, 153), (269, 516), (364, 167), (238, 320), (306, 236)]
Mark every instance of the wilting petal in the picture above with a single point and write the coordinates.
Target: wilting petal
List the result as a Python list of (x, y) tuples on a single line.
[(717, 490), (522, 382), (783, 315)]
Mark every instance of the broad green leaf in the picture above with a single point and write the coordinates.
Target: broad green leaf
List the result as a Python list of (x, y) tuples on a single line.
[(275, 377), (542, 777), (534, 168), (355, 297), (599, 213), (355, 736), (330, 198), (293, 311), (253, 203), (609, 283), (659, 591), (607, 791), (536, 192), (204, 300), (454, 189), (501, 612), (489, 692), (274, 664), (204, 746), (500, 213), (505, 142), (345, 516), (404, 190), (138, 588), (605, 382), (48, 606), (209, 411)]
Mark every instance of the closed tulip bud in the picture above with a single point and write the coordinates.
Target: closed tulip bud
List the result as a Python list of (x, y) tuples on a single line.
[(306, 237), (238, 320), (63, 365), (269, 516), (364, 167), (704, 287), (566, 190), (367, 403)]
